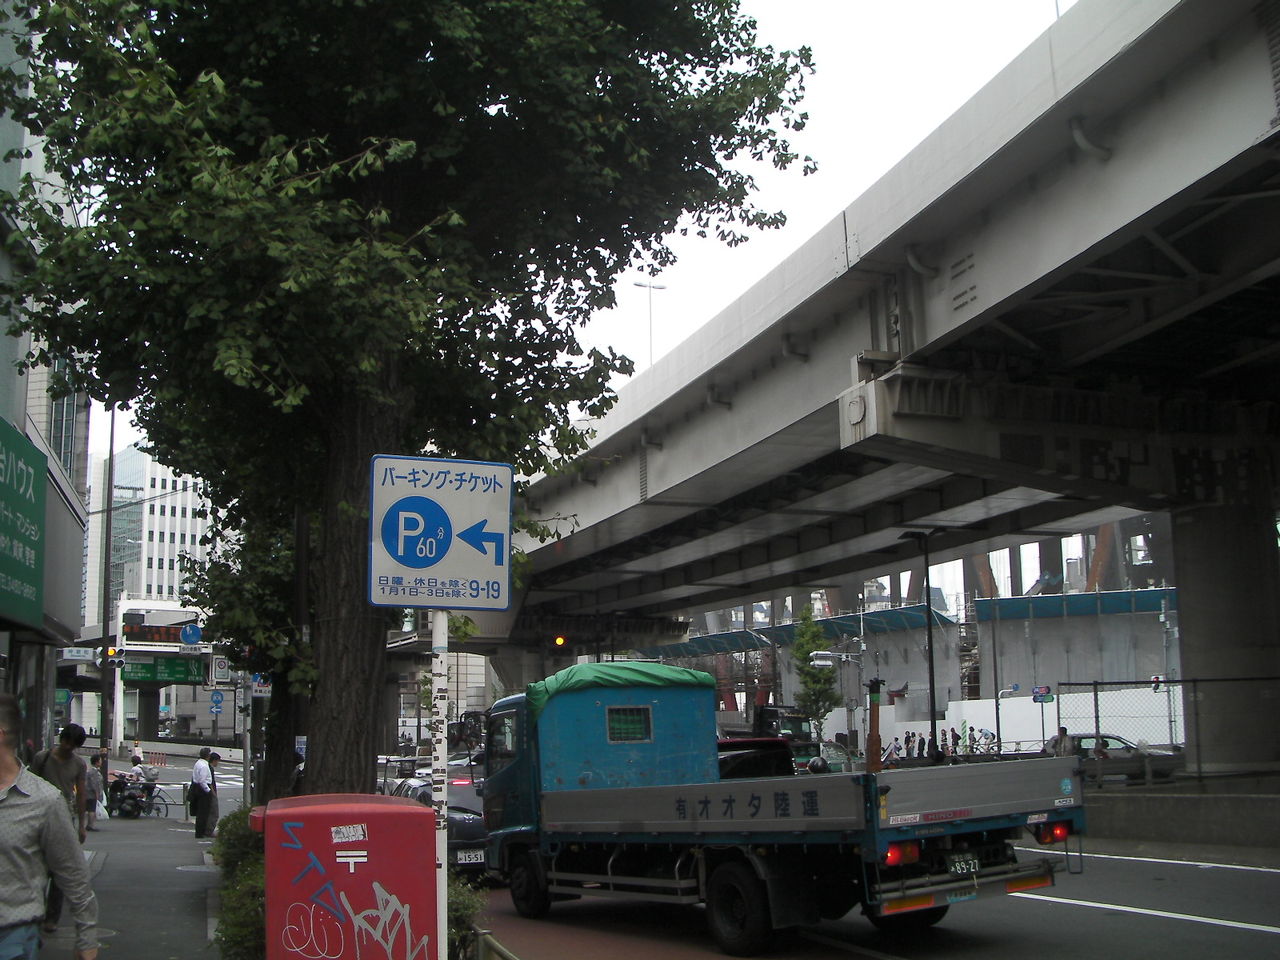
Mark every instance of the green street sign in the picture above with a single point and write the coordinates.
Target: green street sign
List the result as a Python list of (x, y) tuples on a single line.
[(62, 696), (162, 669), (23, 480)]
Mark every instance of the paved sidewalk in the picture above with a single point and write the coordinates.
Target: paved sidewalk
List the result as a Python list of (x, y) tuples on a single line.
[(154, 890)]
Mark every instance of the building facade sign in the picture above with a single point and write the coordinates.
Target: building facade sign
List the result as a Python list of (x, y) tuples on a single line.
[(23, 470)]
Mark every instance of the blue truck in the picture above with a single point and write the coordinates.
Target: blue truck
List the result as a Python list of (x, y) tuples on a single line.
[(606, 780)]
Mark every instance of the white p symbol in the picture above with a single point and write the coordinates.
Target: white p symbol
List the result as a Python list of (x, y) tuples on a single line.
[(411, 525)]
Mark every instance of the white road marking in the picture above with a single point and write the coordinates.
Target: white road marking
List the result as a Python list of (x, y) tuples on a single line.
[(847, 947), (1180, 863), (1212, 921)]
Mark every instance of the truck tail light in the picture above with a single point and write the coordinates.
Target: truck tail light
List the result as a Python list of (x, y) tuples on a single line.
[(1053, 832), (901, 854)]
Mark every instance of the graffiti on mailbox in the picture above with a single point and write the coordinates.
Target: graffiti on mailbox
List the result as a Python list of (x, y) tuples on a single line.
[(334, 915)]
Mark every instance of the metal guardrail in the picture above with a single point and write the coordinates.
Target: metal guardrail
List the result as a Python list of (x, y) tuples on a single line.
[(487, 948)]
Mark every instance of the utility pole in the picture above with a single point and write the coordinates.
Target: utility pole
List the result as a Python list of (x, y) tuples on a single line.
[(107, 672)]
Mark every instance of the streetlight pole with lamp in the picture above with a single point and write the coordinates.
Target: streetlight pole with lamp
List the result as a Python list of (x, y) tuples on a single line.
[(922, 537), (650, 286)]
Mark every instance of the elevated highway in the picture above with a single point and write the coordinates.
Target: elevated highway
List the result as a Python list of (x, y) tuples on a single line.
[(1059, 310)]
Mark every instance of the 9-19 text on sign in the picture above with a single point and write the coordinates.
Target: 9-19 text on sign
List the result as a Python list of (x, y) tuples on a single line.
[(439, 533)]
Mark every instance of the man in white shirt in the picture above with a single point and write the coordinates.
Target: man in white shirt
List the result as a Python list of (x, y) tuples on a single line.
[(37, 840), (1061, 745), (202, 793)]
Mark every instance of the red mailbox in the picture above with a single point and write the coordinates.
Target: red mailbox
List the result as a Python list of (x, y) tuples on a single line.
[(350, 876)]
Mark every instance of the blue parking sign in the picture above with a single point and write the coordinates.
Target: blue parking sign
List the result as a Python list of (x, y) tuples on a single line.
[(440, 533)]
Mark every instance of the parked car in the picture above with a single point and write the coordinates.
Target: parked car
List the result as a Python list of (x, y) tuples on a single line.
[(1106, 755), (751, 757), (392, 770), (467, 834), (836, 757)]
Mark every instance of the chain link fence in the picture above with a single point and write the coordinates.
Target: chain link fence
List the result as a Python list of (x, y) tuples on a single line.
[(1153, 726)]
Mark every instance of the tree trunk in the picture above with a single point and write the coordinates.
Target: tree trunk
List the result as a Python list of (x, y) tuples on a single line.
[(349, 636), (280, 734)]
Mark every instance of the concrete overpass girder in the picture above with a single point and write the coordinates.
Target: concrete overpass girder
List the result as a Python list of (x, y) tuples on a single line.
[(1142, 452)]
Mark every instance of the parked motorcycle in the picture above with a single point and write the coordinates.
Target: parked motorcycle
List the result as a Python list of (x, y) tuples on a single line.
[(126, 797)]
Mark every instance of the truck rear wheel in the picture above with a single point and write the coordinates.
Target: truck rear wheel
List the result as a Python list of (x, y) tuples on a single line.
[(912, 922), (529, 894), (738, 910)]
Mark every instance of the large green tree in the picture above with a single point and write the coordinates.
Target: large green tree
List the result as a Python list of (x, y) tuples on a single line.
[(295, 235), (817, 694)]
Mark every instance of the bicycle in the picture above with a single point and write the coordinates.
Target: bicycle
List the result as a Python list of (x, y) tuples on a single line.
[(156, 803)]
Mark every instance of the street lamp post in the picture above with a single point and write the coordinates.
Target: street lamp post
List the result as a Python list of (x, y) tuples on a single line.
[(922, 537), (651, 287)]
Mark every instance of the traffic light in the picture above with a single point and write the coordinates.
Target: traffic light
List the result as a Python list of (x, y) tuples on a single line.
[(560, 643), (111, 657)]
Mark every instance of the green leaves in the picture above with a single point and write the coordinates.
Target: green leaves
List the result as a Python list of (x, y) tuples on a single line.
[(294, 235)]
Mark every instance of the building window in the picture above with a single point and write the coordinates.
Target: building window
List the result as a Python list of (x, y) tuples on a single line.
[(62, 424), (151, 536), (171, 563), (151, 509), (171, 537), (171, 589), (629, 724), (162, 509), (184, 486)]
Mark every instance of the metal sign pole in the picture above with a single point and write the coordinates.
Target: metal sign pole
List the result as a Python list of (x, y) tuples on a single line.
[(440, 769)]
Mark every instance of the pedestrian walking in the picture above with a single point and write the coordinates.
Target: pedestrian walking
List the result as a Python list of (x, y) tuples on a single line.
[(201, 792), (214, 757), (93, 793), (66, 771), (37, 843)]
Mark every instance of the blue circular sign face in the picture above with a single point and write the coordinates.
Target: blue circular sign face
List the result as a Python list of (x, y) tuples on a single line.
[(216, 696), (190, 634), (416, 532)]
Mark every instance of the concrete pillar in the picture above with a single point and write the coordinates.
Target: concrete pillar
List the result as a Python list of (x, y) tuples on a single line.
[(149, 714), (1228, 576), (1051, 571), (1015, 571)]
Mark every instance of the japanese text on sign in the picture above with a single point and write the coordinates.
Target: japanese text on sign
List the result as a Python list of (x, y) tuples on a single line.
[(775, 803), (462, 481)]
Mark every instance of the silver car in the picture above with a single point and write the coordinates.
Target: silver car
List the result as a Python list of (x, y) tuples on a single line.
[(1106, 755)]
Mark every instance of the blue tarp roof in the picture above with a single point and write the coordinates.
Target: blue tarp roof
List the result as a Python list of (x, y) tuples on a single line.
[(1051, 606), (912, 618), (835, 628)]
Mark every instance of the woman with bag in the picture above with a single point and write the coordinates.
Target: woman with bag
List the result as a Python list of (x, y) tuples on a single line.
[(93, 791)]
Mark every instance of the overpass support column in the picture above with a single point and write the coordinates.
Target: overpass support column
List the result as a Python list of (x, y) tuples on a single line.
[(148, 714), (1228, 576)]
